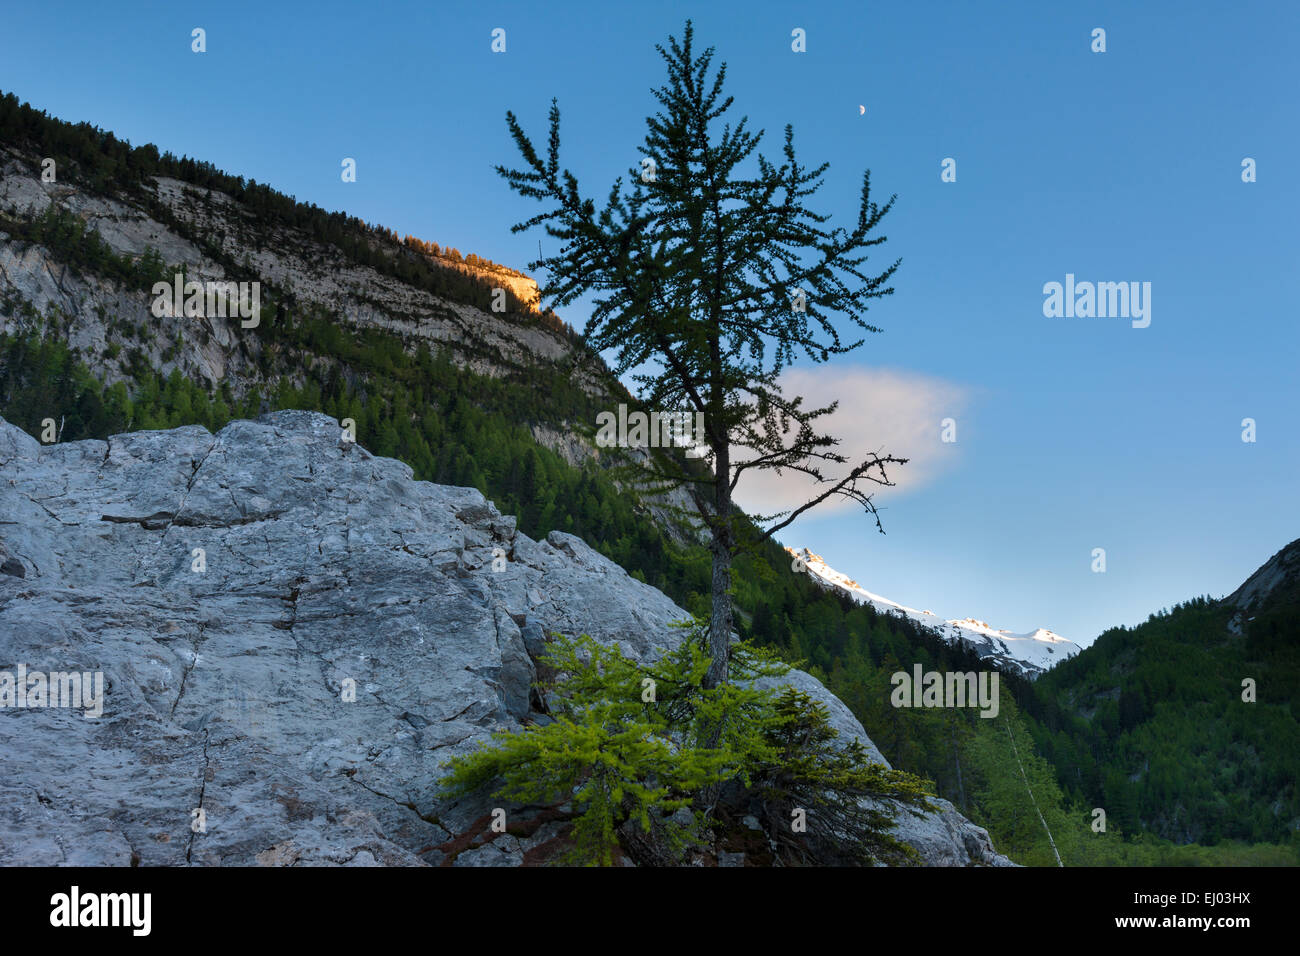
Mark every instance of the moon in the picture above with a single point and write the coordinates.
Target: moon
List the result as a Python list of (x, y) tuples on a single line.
[(862, 110)]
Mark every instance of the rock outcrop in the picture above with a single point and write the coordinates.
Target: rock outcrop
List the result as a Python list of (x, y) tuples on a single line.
[(1275, 581), (235, 591)]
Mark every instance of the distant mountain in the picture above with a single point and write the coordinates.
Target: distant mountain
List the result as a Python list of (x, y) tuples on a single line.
[(1026, 655)]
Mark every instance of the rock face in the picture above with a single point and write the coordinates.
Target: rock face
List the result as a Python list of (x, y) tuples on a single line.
[(94, 311), (235, 592), (1277, 580)]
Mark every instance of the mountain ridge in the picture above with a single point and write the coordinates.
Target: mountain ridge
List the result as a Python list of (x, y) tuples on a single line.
[(1185, 725), (1027, 655)]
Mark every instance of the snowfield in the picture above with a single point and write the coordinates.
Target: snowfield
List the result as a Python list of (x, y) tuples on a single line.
[(1027, 655)]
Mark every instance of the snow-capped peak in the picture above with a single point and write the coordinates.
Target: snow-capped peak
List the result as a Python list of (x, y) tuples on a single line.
[(1026, 654)]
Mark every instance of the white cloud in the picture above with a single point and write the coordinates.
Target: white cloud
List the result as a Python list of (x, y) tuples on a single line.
[(881, 411)]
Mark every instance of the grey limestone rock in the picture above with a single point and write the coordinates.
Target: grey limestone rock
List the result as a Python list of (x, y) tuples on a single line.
[(293, 636)]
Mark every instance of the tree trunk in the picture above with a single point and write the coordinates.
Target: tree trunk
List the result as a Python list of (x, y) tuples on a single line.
[(956, 756), (720, 618)]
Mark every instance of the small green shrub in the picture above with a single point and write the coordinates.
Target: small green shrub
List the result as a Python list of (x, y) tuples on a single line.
[(636, 742)]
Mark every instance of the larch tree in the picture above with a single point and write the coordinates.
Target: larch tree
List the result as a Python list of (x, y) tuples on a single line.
[(709, 275)]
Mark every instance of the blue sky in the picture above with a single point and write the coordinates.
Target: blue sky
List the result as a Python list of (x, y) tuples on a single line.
[(1072, 433)]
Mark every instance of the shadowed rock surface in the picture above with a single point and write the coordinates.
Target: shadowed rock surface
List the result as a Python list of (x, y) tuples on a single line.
[(325, 568)]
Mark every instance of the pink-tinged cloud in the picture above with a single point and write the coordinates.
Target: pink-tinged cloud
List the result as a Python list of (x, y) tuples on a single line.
[(880, 411)]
